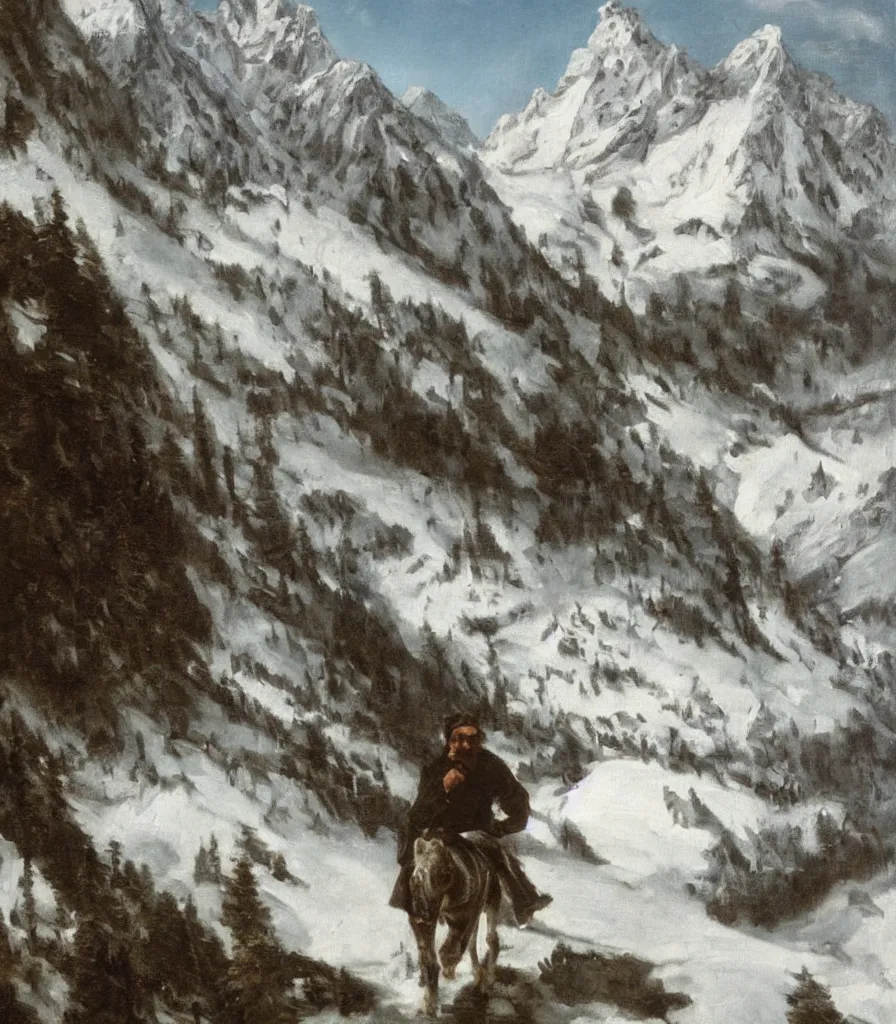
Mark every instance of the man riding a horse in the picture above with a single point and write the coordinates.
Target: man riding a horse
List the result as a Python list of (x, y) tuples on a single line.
[(457, 793)]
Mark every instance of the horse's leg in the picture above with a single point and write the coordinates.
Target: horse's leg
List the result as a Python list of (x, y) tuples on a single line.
[(425, 934), (479, 969), (461, 937), (425, 939), (471, 946), (452, 949), (493, 943)]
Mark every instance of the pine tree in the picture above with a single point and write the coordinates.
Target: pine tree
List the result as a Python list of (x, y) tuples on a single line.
[(256, 979), (105, 988), (66, 310), (683, 296), (205, 952), (18, 123), (229, 476), (731, 307), (7, 959), (214, 861), (201, 868), (434, 655), (173, 464), (114, 851), (205, 456), (778, 564), (381, 301), (656, 306), (165, 957), (11, 1010), (827, 833), (623, 203), (839, 300), (242, 910), (255, 848), (29, 907), (279, 869), (811, 1003), (272, 530)]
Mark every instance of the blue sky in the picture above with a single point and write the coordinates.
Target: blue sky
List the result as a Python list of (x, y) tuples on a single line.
[(485, 57)]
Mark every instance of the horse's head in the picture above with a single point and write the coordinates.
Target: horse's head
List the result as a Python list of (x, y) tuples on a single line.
[(432, 877)]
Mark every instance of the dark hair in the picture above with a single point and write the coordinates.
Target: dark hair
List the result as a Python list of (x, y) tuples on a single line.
[(458, 720)]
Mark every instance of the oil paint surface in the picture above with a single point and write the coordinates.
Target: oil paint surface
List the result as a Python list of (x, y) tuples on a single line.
[(447, 460)]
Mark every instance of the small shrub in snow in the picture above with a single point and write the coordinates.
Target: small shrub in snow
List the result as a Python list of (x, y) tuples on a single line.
[(624, 981), (778, 878), (574, 842), (623, 204), (811, 1003)]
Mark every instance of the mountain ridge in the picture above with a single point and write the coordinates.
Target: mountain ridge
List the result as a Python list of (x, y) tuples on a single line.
[(751, 147)]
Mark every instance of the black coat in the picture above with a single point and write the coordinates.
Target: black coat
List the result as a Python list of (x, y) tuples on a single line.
[(468, 807)]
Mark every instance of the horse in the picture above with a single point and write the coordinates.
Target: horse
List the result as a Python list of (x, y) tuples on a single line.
[(453, 881)]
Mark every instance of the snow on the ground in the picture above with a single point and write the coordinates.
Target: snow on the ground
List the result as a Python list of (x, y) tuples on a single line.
[(772, 482), (636, 903), (639, 837), (10, 874)]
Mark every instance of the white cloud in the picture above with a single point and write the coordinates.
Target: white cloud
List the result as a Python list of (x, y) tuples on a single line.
[(850, 23)]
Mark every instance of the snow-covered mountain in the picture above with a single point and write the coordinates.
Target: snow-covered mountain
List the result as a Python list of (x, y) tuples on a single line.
[(755, 166), (303, 444), (448, 122), (622, 93), (256, 92)]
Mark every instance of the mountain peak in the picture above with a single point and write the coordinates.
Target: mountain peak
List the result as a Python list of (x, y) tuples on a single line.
[(429, 107), (418, 94), (256, 17), (274, 33), (98, 16), (255, 11), (769, 34), (761, 54), (619, 27)]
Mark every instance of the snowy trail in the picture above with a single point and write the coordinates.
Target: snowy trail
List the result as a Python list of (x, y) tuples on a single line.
[(730, 975), (636, 904)]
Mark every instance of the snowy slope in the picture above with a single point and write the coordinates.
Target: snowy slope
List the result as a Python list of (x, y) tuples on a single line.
[(257, 93), (636, 903), (409, 497)]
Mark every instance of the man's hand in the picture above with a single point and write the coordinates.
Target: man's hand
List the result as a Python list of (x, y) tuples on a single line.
[(453, 779)]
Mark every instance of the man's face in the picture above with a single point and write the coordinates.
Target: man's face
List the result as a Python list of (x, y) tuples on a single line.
[(464, 744)]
